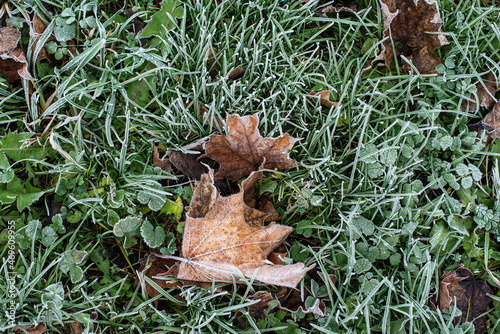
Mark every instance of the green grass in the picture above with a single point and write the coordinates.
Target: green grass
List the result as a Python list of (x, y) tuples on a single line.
[(384, 156)]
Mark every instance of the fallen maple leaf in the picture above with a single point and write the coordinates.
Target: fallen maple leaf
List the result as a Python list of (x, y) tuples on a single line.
[(244, 150), (13, 65), (469, 294), (221, 246), (408, 24), (205, 194)]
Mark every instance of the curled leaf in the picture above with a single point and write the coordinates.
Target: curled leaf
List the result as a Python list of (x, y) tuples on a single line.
[(13, 65)]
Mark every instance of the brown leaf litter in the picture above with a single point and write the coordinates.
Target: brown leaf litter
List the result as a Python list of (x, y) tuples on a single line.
[(188, 160), (469, 294), (326, 7), (485, 92), (324, 98), (244, 150), (409, 25), (219, 245), (13, 65), (31, 329)]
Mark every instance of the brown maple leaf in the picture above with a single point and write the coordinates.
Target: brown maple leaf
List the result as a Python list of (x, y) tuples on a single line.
[(221, 246), (469, 294), (13, 65), (244, 150), (409, 24)]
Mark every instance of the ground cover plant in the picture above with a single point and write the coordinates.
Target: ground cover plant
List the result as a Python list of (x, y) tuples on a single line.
[(119, 124)]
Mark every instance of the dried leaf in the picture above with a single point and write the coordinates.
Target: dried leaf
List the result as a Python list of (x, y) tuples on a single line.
[(491, 122), (32, 329), (291, 300), (152, 267), (76, 327), (13, 65), (213, 65), (190, 164), (164, 164), (485, 94), (236, 73), (257, 309), (409, 24), (324, 98), (9, 37), (244, 150), (350, 7), (204, 196), (470, 295), (221, 246)]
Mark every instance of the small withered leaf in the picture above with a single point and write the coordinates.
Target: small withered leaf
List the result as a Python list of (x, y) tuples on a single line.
[(188, 160), (31, 329), (324, 98), (9, 37), (244, 150), (204, 196), (13, 66), (409, 24), (292, 300), (485, 92), (213, 65), (236, 73), (257, 309), (491, 122), (164, 164), (470, 295)]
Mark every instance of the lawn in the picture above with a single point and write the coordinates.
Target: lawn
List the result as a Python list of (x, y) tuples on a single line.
[(383, 177)]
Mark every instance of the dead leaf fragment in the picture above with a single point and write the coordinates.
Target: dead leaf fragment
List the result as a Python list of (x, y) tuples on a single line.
[(469, 294), (244, 150), (221, 246), (76, 327), (324, 98), (409, 24), (291, 300), (236, 73), (326, 7), (188, 160), (491, 122), (9, 37), (213, 65), (32, 329), (257, 309), (13, 65), (485, 94)]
